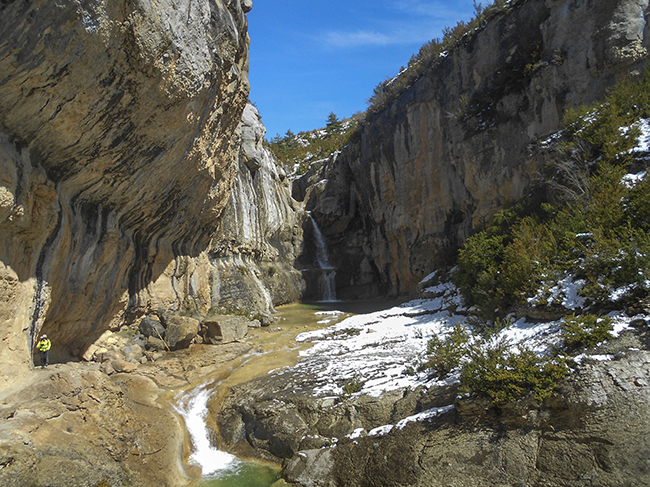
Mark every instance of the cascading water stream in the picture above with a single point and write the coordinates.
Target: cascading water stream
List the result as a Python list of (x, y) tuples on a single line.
[(194, 409), (326, 281), (219, 469)]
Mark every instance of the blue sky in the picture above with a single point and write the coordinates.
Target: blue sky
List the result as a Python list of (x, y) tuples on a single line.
[(310, 58)]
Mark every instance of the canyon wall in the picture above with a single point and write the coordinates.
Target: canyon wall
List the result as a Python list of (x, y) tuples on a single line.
[(248, 265), (438, 161), (120, 139)]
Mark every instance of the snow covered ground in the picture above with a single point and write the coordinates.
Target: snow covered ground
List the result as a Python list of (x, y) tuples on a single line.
[(374, 349)]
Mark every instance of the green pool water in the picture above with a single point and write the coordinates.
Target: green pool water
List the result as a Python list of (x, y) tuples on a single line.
[(244, 474)]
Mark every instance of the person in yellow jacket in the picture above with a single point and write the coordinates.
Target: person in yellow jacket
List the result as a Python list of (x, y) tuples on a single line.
[(44, 345)]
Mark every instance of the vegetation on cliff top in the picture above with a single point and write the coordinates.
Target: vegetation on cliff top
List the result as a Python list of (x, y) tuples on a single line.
[(300, 151), (431, 53)]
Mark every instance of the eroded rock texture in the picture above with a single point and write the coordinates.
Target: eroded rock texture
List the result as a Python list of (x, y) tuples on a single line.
[(593, 431), (454, 147), (248, 265), (116, 148)]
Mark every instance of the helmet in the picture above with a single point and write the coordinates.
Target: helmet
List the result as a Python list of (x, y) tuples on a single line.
[(44, 336)]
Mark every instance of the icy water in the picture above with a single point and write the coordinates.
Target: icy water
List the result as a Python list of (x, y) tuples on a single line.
[(273, 348)]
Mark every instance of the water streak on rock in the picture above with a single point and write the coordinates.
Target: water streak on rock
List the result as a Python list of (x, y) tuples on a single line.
[(326, 281)]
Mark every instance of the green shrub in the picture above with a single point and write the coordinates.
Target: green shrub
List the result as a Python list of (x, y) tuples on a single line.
[(585, 330), (443, 356), (593, 225), (303, 149), (502, 376), (429, 54), (353, 385), (489, 368), (486, 329), (504, 264)]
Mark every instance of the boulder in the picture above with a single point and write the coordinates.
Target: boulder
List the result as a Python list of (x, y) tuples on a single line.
[(181, 330), (92, 352), (224, 329), (267, 320), (151, 327), (311, 468), (122, 366), (107, 368), (108, 356), (133, 353), (155, 344)]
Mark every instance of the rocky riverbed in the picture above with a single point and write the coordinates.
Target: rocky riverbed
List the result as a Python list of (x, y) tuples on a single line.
[(109, 419), (74, 425), (346, 414), (112, 420)]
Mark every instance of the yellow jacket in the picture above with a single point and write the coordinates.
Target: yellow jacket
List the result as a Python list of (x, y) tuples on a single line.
[(44, 345)]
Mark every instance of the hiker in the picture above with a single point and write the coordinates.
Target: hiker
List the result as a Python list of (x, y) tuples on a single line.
[(44, 345)]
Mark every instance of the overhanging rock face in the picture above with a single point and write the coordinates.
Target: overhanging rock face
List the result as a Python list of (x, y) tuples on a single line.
[(455, 146), (117, 139)]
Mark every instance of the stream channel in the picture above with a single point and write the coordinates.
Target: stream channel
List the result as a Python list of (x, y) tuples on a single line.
[(273, 348)]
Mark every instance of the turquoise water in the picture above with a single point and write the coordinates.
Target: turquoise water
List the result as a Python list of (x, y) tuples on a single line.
[(244, 474)]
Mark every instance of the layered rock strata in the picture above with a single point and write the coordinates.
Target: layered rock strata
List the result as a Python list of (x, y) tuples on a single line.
[(121, 147), (442, 158), (248, 266)]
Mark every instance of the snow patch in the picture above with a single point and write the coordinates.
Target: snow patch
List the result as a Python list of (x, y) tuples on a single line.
[(600, 358)]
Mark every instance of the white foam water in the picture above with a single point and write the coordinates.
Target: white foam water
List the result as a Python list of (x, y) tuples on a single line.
[(326, 281), (194, 409)]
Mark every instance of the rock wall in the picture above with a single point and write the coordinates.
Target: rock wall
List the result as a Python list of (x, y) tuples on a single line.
[(248, 265), (116, 157), (262, 226), (444, 156)]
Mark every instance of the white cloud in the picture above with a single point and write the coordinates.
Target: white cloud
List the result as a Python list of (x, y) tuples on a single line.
[(395, 34), (401, 22), (357, 38)]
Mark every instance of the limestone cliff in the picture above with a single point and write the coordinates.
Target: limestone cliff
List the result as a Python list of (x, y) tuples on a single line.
[(248, 265), (444, 156), (116, 156)]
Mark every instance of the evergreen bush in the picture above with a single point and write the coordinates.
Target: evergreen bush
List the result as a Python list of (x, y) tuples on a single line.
[(489, 366), (595, 225), (299, 151), (502, 376), (585, 331), (443, 356)]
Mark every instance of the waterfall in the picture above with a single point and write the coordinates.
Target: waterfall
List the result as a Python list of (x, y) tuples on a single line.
[(326, 281), (194, 409)]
